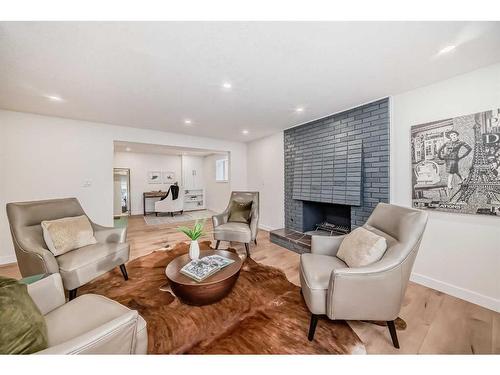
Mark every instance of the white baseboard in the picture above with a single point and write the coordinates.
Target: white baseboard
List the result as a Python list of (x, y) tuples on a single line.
[(7, 259), (265, 227), (455, 291)]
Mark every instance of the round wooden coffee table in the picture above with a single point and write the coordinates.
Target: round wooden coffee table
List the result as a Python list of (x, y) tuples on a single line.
[(208, 291)]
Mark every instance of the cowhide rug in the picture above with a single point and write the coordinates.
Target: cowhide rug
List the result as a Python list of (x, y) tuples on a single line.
[(264, 313)]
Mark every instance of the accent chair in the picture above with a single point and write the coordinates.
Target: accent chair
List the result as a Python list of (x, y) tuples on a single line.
[(89, 324), (245, 232), (372, 292), (170, 206), (77, 267)]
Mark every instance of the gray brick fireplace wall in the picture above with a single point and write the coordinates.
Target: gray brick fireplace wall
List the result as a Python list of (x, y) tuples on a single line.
[(342, 159)]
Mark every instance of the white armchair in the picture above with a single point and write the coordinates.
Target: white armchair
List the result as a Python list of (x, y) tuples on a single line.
[(89, 324), (169, 205)]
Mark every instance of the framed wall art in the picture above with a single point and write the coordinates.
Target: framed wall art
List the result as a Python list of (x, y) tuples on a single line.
[(168, 177), (456, 164), (154, 177)]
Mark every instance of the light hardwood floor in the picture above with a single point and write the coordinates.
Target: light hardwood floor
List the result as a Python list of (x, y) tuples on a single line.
[(437, 322)]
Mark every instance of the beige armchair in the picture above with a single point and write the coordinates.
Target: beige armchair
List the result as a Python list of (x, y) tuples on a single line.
[(238, 232), (90, 324), (373, 292), (77, 267)]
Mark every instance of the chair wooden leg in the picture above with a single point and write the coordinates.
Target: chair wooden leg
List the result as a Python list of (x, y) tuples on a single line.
[(124, 271), (72, 293), (394, 336), (217, 244), (255, 241), (247, 249), (312, 326)]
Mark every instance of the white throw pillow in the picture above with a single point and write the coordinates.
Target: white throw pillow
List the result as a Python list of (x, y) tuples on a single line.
[(67, 234), (361, 248)]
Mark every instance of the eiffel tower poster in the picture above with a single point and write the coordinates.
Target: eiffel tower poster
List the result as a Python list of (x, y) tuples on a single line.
[(456, 164)]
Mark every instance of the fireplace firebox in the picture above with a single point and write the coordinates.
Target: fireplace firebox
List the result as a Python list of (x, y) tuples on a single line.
[(326, 217), (323, 219)]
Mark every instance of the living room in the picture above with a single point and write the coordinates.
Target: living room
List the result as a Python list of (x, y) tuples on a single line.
[(236, 188)]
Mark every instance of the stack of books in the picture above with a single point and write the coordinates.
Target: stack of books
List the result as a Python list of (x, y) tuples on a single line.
[(200, 269)]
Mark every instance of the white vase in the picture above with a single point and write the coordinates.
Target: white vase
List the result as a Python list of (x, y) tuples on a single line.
[(194, 250)]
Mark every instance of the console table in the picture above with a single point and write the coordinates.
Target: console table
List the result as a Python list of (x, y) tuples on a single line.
[(151, 194)]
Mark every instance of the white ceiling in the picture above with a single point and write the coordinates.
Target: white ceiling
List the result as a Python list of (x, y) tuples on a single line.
[(144, 148), (156, 74)]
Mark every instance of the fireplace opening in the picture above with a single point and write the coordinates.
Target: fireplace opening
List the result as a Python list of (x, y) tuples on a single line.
[(326, 218)]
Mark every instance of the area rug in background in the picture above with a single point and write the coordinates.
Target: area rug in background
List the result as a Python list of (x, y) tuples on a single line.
[(178, 218), (264, 313)]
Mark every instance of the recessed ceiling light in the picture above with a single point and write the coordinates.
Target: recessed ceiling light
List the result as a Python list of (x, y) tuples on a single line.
[(54, 98), (447, 49), (245, 132), (188, 122), (128, 149), (299, 109), (227, 85)]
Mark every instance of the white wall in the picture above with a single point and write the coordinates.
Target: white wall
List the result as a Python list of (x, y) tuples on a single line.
[(266, 174), (460, 254), (48, 157), (140, 164), (217, 193)]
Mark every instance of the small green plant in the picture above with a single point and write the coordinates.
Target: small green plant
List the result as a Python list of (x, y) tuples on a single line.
[(195, 232)]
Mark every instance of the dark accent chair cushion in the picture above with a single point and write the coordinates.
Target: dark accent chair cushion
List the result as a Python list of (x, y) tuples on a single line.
[(240, 212), (22, 327)]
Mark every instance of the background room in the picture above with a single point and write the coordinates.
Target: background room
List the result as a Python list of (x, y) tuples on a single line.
[(144, 174)]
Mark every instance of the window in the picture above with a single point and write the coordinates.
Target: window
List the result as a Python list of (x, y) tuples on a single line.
[(221, 170)]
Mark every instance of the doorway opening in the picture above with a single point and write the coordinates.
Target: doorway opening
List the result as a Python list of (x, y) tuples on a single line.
[(121, 192)]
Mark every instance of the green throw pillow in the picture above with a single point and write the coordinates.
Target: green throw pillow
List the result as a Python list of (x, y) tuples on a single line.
[(240, 212), (22, 327)]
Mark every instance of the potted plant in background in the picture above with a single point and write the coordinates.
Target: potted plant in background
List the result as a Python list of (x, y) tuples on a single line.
[(194, 234)]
